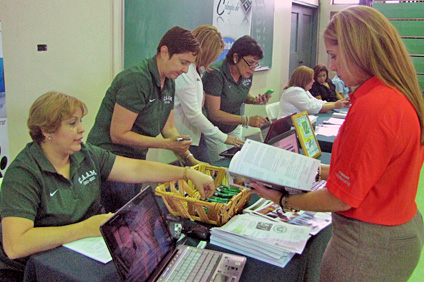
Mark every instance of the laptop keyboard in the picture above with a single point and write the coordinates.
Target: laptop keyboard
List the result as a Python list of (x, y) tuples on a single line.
[(195, 265)]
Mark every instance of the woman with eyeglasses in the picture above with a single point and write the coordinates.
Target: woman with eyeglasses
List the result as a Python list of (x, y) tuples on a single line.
[(227, 87)]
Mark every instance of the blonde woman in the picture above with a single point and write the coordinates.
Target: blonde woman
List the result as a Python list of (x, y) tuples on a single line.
[(189, 96), (377, 156), (296, 97)]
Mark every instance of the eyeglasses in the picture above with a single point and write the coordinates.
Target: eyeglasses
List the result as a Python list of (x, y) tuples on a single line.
[(253, 67)]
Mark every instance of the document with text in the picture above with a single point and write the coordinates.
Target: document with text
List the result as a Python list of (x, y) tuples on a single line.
[(271, 166)]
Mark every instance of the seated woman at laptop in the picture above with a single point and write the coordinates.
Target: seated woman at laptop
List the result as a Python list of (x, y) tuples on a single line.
[(51, 191), (377, 156), (296, 97)]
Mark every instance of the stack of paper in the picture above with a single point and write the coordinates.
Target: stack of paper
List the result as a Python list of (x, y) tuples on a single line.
[(268, 209), (261, 238), (340, 114)]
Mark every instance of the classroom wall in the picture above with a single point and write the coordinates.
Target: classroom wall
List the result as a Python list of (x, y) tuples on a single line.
[(84, 54), (325, 10)]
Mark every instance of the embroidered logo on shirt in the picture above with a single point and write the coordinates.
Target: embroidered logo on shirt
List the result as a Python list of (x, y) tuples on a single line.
[(88, 177), (246, 82), (343, 177), (167, 99), (52, 194), (151, 100)]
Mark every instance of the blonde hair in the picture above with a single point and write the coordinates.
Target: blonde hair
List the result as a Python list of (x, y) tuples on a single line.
[(49, 110), (371, 43), (211, 44), (300, 77)]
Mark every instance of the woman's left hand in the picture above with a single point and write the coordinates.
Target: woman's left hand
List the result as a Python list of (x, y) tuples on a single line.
[(262, 99)]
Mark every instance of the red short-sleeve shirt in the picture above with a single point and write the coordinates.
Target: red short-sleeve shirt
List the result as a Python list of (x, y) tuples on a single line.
[(377, 156)]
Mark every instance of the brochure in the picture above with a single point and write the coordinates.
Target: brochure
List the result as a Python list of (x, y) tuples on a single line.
[(272, 167), (261, 238), (317, 221)]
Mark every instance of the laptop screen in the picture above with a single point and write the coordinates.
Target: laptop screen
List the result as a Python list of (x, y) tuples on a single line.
[(286, 141), (278, 127), (137, 237)]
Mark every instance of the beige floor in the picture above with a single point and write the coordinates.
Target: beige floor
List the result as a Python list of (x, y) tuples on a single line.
[(418, 275)]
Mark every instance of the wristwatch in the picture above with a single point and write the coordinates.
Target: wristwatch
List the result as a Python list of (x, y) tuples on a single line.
[(284, 202)]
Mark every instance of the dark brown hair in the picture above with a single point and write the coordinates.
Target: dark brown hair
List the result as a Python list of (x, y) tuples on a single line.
[(179, 40)]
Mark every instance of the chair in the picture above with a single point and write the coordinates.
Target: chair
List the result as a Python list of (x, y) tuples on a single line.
[(272, 110)]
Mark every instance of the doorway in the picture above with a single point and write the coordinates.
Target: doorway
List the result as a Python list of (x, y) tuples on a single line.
[(303, 38)]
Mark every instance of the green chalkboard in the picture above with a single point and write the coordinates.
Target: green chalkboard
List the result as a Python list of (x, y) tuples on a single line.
[(146, 21)]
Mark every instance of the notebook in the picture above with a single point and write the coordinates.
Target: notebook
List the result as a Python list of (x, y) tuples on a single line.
[(143, 249)]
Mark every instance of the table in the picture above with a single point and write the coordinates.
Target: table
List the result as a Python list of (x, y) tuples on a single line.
[(325, 142), (64, 265)]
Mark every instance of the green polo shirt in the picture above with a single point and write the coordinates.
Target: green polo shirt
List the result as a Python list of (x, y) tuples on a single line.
[(33, 189), (136, 89), (220, 83)]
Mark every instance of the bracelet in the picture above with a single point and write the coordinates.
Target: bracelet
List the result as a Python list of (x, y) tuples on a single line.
[(188, 156), (247, 122), (284, 202), (185, 172)]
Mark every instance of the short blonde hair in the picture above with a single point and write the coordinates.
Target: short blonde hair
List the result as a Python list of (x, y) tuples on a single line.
[(211, 44), (300, 77), (49, 110), (370, 42)]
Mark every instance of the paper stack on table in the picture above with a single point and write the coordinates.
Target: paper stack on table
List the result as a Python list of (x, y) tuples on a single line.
[(261, 238), (268, 209), (331, 127)]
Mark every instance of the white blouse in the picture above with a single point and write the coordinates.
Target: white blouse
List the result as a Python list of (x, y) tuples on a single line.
[(188, 116), (295, 100)]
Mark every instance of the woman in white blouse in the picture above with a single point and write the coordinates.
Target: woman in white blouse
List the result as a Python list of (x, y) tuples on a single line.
[(189, 96), (296, 97)]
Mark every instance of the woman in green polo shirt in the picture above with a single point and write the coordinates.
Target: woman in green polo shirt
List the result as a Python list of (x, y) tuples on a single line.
[(227, 88), (51, 192)]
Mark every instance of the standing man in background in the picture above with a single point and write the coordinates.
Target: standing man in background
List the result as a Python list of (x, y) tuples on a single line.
[(139, 105)]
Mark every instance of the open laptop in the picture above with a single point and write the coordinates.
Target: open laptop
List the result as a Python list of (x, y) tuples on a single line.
[(287, 141), (278, 127), (143, 249), (269, 130)]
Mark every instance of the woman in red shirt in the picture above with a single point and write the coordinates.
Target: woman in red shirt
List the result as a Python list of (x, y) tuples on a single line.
[(377, 156)]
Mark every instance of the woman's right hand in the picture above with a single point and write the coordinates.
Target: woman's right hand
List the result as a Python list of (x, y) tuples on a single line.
[(232, 140), (203, 183), (342, 103), (257, 121), (179, 147), (92, 224)]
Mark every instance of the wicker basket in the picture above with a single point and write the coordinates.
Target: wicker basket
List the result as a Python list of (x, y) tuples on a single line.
[(184, 200)]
